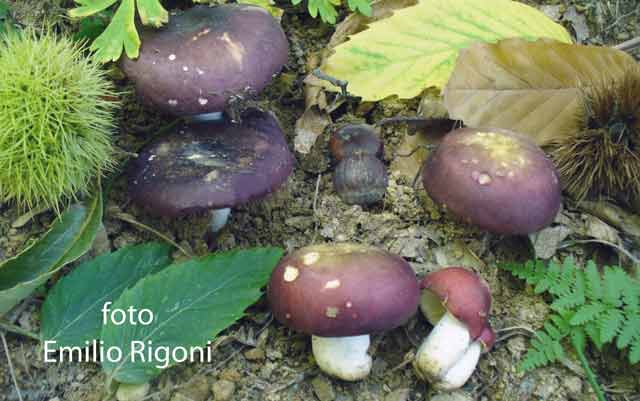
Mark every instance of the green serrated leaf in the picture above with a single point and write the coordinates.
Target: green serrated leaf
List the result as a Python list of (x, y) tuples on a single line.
[(191, 302), (120, 33), (152, 13), (90, 7), (416, 48), (68, 238), (363, 6), (71, 313), (326, 9)]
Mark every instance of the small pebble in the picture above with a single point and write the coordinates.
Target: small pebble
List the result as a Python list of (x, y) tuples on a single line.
[(223, 390), (323, 388), (255, 354), (132, 392)]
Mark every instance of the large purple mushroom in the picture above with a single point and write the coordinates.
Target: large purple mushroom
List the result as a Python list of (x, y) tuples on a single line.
[(495, 179), (211, 166), (205, 55), (339, 294)]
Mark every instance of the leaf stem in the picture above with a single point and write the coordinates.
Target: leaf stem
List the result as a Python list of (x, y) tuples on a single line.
[(12, 328), (591, 376)]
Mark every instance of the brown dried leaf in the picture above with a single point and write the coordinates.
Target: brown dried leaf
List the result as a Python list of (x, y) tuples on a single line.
[(529, 87)]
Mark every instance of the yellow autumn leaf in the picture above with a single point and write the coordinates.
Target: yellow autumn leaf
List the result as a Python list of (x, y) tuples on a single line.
[(417, 47)]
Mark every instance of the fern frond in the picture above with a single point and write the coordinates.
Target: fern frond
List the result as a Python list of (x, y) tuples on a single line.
[(603, 307), (546, 346)]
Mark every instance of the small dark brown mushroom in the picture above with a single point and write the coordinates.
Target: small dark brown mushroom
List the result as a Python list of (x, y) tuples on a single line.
[(205, 55), (360, 179), (211, 166), (355, 139), (341, 293), (495, 179)]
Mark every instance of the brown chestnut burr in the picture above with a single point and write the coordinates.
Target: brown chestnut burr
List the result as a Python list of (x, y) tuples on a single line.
[(360, 179), (205, 55), (339, 294), (457, 302), (355, 139), (494, 178)]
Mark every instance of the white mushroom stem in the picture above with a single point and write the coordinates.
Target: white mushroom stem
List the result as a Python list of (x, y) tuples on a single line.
[(447, 357), (343, 357), (218, 219), (462, 370)]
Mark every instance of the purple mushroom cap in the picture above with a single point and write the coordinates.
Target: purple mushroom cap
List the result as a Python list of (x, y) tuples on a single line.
[(205, 55), (211, 165), (495, 179), (337, 290)]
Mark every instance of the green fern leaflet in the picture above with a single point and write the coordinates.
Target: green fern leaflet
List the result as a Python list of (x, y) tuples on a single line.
[(602, 306)]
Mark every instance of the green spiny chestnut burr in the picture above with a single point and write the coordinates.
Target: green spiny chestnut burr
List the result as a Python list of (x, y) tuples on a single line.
[(56, 118)]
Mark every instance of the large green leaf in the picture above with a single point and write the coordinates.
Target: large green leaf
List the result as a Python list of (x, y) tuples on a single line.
[(69, 238), (417, 47), (191, 302), (72, 314)]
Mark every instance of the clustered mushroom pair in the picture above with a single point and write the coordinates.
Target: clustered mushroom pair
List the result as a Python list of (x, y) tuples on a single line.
[(192, 68), (341, 293), (338, 293)]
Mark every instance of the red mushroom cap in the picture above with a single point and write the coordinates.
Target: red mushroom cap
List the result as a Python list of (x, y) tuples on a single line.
[(464, 294), (495, 179), (338, 290)]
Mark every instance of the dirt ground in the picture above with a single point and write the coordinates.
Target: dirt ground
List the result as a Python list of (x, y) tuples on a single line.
[(259, 359)]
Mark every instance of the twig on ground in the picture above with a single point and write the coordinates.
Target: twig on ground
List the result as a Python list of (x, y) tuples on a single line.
[(12, 328), (11, 371), (332, 80), (129, 219), (628, 254), (629, 44)]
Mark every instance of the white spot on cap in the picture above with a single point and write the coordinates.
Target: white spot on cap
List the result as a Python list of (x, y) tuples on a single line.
[(484, 179), (332, 312), (310, 258), (348, 304), (288, 316), (185, 68), (172, 102), (290, 274), (199, 71), (202, 101), (172, 57), (332, 284)]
